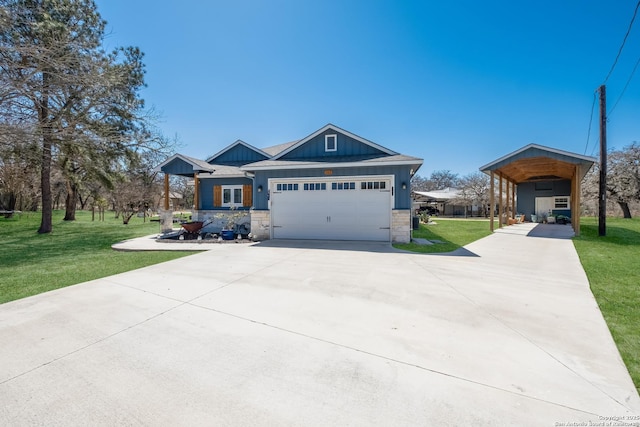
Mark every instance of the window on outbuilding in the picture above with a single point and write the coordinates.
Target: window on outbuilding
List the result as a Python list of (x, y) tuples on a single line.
[(561, 202)]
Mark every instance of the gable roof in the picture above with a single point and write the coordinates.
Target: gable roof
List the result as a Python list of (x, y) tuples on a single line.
[(274, 153), (535, 162), (235, 144), (198, 165), (337, 129), (203, 169), (275, 149)]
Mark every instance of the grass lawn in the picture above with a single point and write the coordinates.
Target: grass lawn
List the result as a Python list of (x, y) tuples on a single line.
[(76, 251), (454, 233), (612, 266)]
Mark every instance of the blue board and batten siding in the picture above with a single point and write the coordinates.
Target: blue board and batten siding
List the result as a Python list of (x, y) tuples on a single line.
[(238, 155), (402, 197), (528, 191), (314, 149), (178, 167), (206, 190)]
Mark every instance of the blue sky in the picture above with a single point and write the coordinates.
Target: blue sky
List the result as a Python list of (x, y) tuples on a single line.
[(457, 83)]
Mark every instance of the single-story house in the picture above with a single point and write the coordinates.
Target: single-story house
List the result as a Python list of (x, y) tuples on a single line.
[(331, 184), (538, 182), (446, 202)]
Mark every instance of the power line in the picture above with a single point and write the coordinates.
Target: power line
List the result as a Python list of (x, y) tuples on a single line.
[(635, 12), (613, 66), (625, 87), (593, 150)]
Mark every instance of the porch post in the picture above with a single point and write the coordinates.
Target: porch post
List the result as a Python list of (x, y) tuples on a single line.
[(196, 193), (513, 199), (575, 211), (166, 191), (508, 204), (492, 201), (500, 204)]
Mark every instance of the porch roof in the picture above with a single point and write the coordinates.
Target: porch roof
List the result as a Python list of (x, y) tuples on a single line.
[(539, 163)]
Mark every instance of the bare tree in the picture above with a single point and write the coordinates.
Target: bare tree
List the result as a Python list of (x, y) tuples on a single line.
[(439, 180), (623, 179), (418, 183), (475, 189), (442, 179)]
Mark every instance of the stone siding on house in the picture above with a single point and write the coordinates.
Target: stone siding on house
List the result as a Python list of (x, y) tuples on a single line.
[(401, 226), (260, 223)]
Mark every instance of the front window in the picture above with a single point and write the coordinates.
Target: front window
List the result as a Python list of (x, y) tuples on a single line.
[(232, 195)]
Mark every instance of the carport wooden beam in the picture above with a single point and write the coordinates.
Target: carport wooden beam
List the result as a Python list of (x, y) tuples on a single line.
[(513, 199), (500, 204), (508, 202), (576, 188), (492, 200)]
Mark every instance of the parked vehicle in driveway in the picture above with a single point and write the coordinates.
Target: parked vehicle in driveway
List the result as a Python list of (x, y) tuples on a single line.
[(428, 209)]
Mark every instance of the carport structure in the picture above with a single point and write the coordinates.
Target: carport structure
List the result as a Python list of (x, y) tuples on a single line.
[(535, 172)]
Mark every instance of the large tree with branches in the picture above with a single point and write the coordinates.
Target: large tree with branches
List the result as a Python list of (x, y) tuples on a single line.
[(623, 178), (55, 78)]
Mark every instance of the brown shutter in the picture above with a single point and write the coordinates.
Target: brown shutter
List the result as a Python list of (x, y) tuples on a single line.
[(217, 195), (247, 195)]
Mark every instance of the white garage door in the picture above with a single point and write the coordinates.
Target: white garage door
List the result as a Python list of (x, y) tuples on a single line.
[(331, 209)]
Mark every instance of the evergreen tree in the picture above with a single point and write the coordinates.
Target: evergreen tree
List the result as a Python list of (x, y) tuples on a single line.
[(54, 76)]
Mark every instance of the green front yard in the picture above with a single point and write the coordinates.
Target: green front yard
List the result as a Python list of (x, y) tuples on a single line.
[(453, 233), (75, 252), (612, 266)]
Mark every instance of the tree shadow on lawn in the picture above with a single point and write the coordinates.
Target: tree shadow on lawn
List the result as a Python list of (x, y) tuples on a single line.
[(22, 249)]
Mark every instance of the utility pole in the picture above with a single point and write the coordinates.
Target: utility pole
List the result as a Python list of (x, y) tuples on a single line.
[(602, 199)]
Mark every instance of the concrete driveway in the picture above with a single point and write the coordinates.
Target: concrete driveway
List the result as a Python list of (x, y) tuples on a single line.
[(321, 333)]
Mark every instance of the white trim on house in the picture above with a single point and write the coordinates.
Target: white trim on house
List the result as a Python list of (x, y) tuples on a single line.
[(335, 128), (325, 165), (207, 175), (232, 189), (327, 147)]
